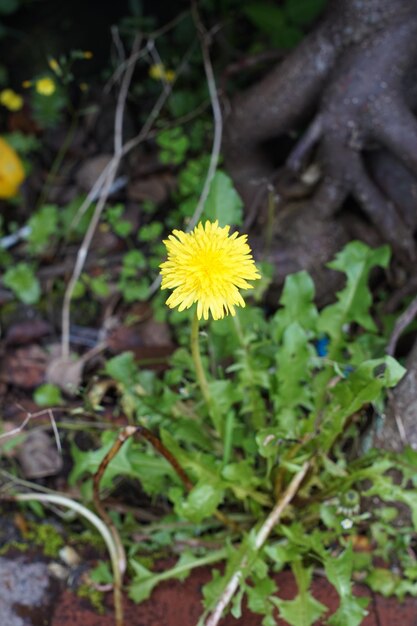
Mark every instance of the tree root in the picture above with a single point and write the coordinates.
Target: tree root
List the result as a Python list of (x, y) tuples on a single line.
[(351, 70)]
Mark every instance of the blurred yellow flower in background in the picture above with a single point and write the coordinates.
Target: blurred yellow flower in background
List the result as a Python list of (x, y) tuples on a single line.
[(12, 173), (45, 86), (11, 100), (158, 72), (209, 267)]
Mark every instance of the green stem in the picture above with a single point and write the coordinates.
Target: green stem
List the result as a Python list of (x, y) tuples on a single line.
[(198, 364), (228, 437), (201, 377), (208, 559)]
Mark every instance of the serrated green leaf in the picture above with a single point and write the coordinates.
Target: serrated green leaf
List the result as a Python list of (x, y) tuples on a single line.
[(297, 302), (362, 386), (383, 581), (293, 369), (354, 301), (304, 610), (259, 593), (351, 612), (214, 588), (143, 584), (223, 202), (339, 572)]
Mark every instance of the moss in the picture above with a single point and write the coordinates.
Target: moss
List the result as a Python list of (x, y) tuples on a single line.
[(20, 546), (94, 596), (90, 538), (46, 537)]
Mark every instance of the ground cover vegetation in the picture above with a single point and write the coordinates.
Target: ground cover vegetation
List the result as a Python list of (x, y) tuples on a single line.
[(232, 418)]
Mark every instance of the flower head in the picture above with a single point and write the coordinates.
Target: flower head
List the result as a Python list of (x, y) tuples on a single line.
[(158, 72), (11, 100), (209, 267), (45, 86), (12, 173)]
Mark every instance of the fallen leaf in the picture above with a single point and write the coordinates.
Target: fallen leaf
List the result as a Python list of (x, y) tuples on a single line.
[(65, 373), (38, 455)]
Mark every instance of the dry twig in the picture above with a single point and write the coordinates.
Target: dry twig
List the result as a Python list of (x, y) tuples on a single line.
[(108, 181), (217, 115), (28, 418)]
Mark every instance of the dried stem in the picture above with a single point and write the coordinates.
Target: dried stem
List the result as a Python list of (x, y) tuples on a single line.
[(108, 180), (217, 115), (28, 418)]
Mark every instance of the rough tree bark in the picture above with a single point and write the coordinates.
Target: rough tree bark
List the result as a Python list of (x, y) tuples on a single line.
[(349, 90)]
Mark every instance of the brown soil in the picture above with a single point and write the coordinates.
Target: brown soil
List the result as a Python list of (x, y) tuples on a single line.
[(179, 604)]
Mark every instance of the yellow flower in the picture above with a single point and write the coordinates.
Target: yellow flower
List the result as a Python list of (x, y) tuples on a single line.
[(158, 72), (11, 171), (209, 267), (45, 86), (11, 100), (87, 54), (169, 76)]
